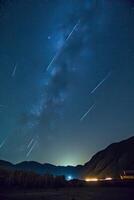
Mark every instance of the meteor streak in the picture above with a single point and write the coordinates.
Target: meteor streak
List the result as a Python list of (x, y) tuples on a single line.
[(14, 70), (30, 143), (3, 142), (83, 117), (31, 149), (72, 31), (53, 59), (106, 77), (58, 53)]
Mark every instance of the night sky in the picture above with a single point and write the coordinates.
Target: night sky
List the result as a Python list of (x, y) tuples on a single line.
[(66, 78)]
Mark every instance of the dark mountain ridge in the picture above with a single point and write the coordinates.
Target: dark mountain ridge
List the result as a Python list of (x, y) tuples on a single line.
[(108, 162), (43, 168), (112, 160)]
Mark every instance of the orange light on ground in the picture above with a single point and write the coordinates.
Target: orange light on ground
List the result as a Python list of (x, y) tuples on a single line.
[(91, 179), (108, 179)]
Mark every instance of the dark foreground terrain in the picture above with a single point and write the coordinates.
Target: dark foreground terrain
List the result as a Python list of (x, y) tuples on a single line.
[(84, 193)]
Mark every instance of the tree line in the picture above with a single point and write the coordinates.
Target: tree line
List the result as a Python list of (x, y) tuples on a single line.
[(27, 179)]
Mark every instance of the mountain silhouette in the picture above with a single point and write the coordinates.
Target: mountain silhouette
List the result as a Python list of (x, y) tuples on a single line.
[(112, 160), (109, 162)]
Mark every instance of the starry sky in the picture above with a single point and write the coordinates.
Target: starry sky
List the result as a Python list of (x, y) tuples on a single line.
[(66, 78)]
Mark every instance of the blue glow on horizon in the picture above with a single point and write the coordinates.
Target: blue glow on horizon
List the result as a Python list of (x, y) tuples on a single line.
[(69, 177)]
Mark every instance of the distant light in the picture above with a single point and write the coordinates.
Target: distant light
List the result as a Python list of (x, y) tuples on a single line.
[(91, 179), (69, 178), (108, 179)]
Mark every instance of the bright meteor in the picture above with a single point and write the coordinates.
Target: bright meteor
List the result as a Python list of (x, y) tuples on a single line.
[(106, 77), (30, 143), (58, 53), (72, 31), (83, 117), (31, 149)]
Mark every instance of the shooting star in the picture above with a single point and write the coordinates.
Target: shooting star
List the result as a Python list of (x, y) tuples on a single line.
[(58, 53), (2, 143), (30, 143), (31, 149), (106, 77), (14, 70), (83, 117), (72, 31), (53, 59)]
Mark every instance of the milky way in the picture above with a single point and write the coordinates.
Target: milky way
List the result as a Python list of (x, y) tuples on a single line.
[(52, 54)]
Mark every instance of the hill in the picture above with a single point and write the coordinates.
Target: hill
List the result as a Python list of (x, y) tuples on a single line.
[(109, 162), (112, 160), (67, 171)]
